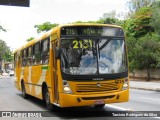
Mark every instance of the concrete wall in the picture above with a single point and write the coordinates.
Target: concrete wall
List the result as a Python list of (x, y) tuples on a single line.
[(154, 73)]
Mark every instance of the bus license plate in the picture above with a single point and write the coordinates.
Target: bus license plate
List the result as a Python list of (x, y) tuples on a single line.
[(99, 102)]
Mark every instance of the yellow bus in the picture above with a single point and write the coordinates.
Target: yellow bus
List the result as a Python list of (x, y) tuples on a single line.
[(75, 65)]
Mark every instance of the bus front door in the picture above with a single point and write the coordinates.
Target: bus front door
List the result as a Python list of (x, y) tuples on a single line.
[(55, 75)]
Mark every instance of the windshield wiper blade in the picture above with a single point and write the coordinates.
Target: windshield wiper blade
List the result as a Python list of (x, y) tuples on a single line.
[(105, 44)]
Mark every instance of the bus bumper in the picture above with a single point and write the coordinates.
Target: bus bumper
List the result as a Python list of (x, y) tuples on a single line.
[(71, 100)]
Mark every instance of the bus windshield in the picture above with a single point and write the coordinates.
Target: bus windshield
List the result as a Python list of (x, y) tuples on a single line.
[(93, 56)]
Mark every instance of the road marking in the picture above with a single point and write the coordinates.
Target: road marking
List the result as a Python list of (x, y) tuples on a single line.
[(157, 117), (150, 99), (118, 108)]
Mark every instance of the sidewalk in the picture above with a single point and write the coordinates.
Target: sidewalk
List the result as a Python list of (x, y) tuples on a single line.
[(144, 85)]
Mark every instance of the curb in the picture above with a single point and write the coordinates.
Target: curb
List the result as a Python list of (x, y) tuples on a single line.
[(150, 89)]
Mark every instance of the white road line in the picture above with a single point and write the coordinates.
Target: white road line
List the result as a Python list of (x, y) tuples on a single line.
[(150, 99), (118, 108), (157, 117)]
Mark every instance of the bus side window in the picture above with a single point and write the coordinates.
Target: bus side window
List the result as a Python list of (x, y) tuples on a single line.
[(37, 54), (29, 56), (45, 51), (15, 60), (19, 61), (24, 60)]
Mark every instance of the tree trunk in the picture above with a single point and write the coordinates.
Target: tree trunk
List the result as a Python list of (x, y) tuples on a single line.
[(148, 74)]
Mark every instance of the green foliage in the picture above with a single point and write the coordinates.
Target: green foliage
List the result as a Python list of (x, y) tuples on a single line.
[(108, 20), (131, 46), (3, 47), (144, 53), (139, 25), (8, 56), (143, 36), (129, 27), (5, 52), (29, 39), (113, 21), (45, 27), (155, 20), (147, 49)]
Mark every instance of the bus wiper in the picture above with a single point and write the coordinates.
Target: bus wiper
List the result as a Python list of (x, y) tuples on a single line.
[(105, 44)]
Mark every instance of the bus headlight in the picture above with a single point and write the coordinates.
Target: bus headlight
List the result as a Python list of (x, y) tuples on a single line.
[(66, 87), (125, 84)]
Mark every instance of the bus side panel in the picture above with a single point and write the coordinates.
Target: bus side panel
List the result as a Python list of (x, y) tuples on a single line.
[(27, 81), (44, 77), (17, 79), (36, 81), (40, 74)]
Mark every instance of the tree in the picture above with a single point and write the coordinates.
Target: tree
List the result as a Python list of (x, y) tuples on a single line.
[(8, 55), (129, 27), (5, 53), (29, 39), (110, 18), (146, 53), (131, 46), (139, 25), (45, 27), (155, 20), (135, 5)]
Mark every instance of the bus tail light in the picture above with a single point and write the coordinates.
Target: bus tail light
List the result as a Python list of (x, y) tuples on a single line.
[(66, 87), (125, 84)]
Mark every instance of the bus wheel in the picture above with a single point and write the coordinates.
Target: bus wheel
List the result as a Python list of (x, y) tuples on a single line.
[(24, 94), (47, 100), (99, 106)]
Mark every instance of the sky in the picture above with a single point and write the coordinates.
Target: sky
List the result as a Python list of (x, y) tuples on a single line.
[(19, 21)]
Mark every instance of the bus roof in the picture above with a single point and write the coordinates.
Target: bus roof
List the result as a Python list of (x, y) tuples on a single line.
[(89, 24), (55, 29)]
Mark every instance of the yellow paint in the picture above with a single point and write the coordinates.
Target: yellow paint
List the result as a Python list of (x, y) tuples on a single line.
[(34, 76)]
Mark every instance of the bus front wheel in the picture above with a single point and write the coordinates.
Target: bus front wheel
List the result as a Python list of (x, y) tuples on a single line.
[(47, 100), (24, 94)]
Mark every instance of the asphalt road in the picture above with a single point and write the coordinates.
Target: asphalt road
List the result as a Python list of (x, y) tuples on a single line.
[(140, 100)]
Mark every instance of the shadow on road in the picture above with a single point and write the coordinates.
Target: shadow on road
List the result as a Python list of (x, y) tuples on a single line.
[(85, 113), (71, 112)]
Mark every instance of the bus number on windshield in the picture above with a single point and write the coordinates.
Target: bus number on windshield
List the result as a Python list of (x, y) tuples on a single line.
[(82, 44)]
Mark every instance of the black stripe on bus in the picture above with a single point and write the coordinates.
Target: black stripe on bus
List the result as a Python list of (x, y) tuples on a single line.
[(34, 84)]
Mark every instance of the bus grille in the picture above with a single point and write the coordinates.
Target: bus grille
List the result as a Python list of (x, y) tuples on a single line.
[(96, 87)]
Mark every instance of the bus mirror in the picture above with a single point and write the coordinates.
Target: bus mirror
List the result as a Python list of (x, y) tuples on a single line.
[(57, 53)]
